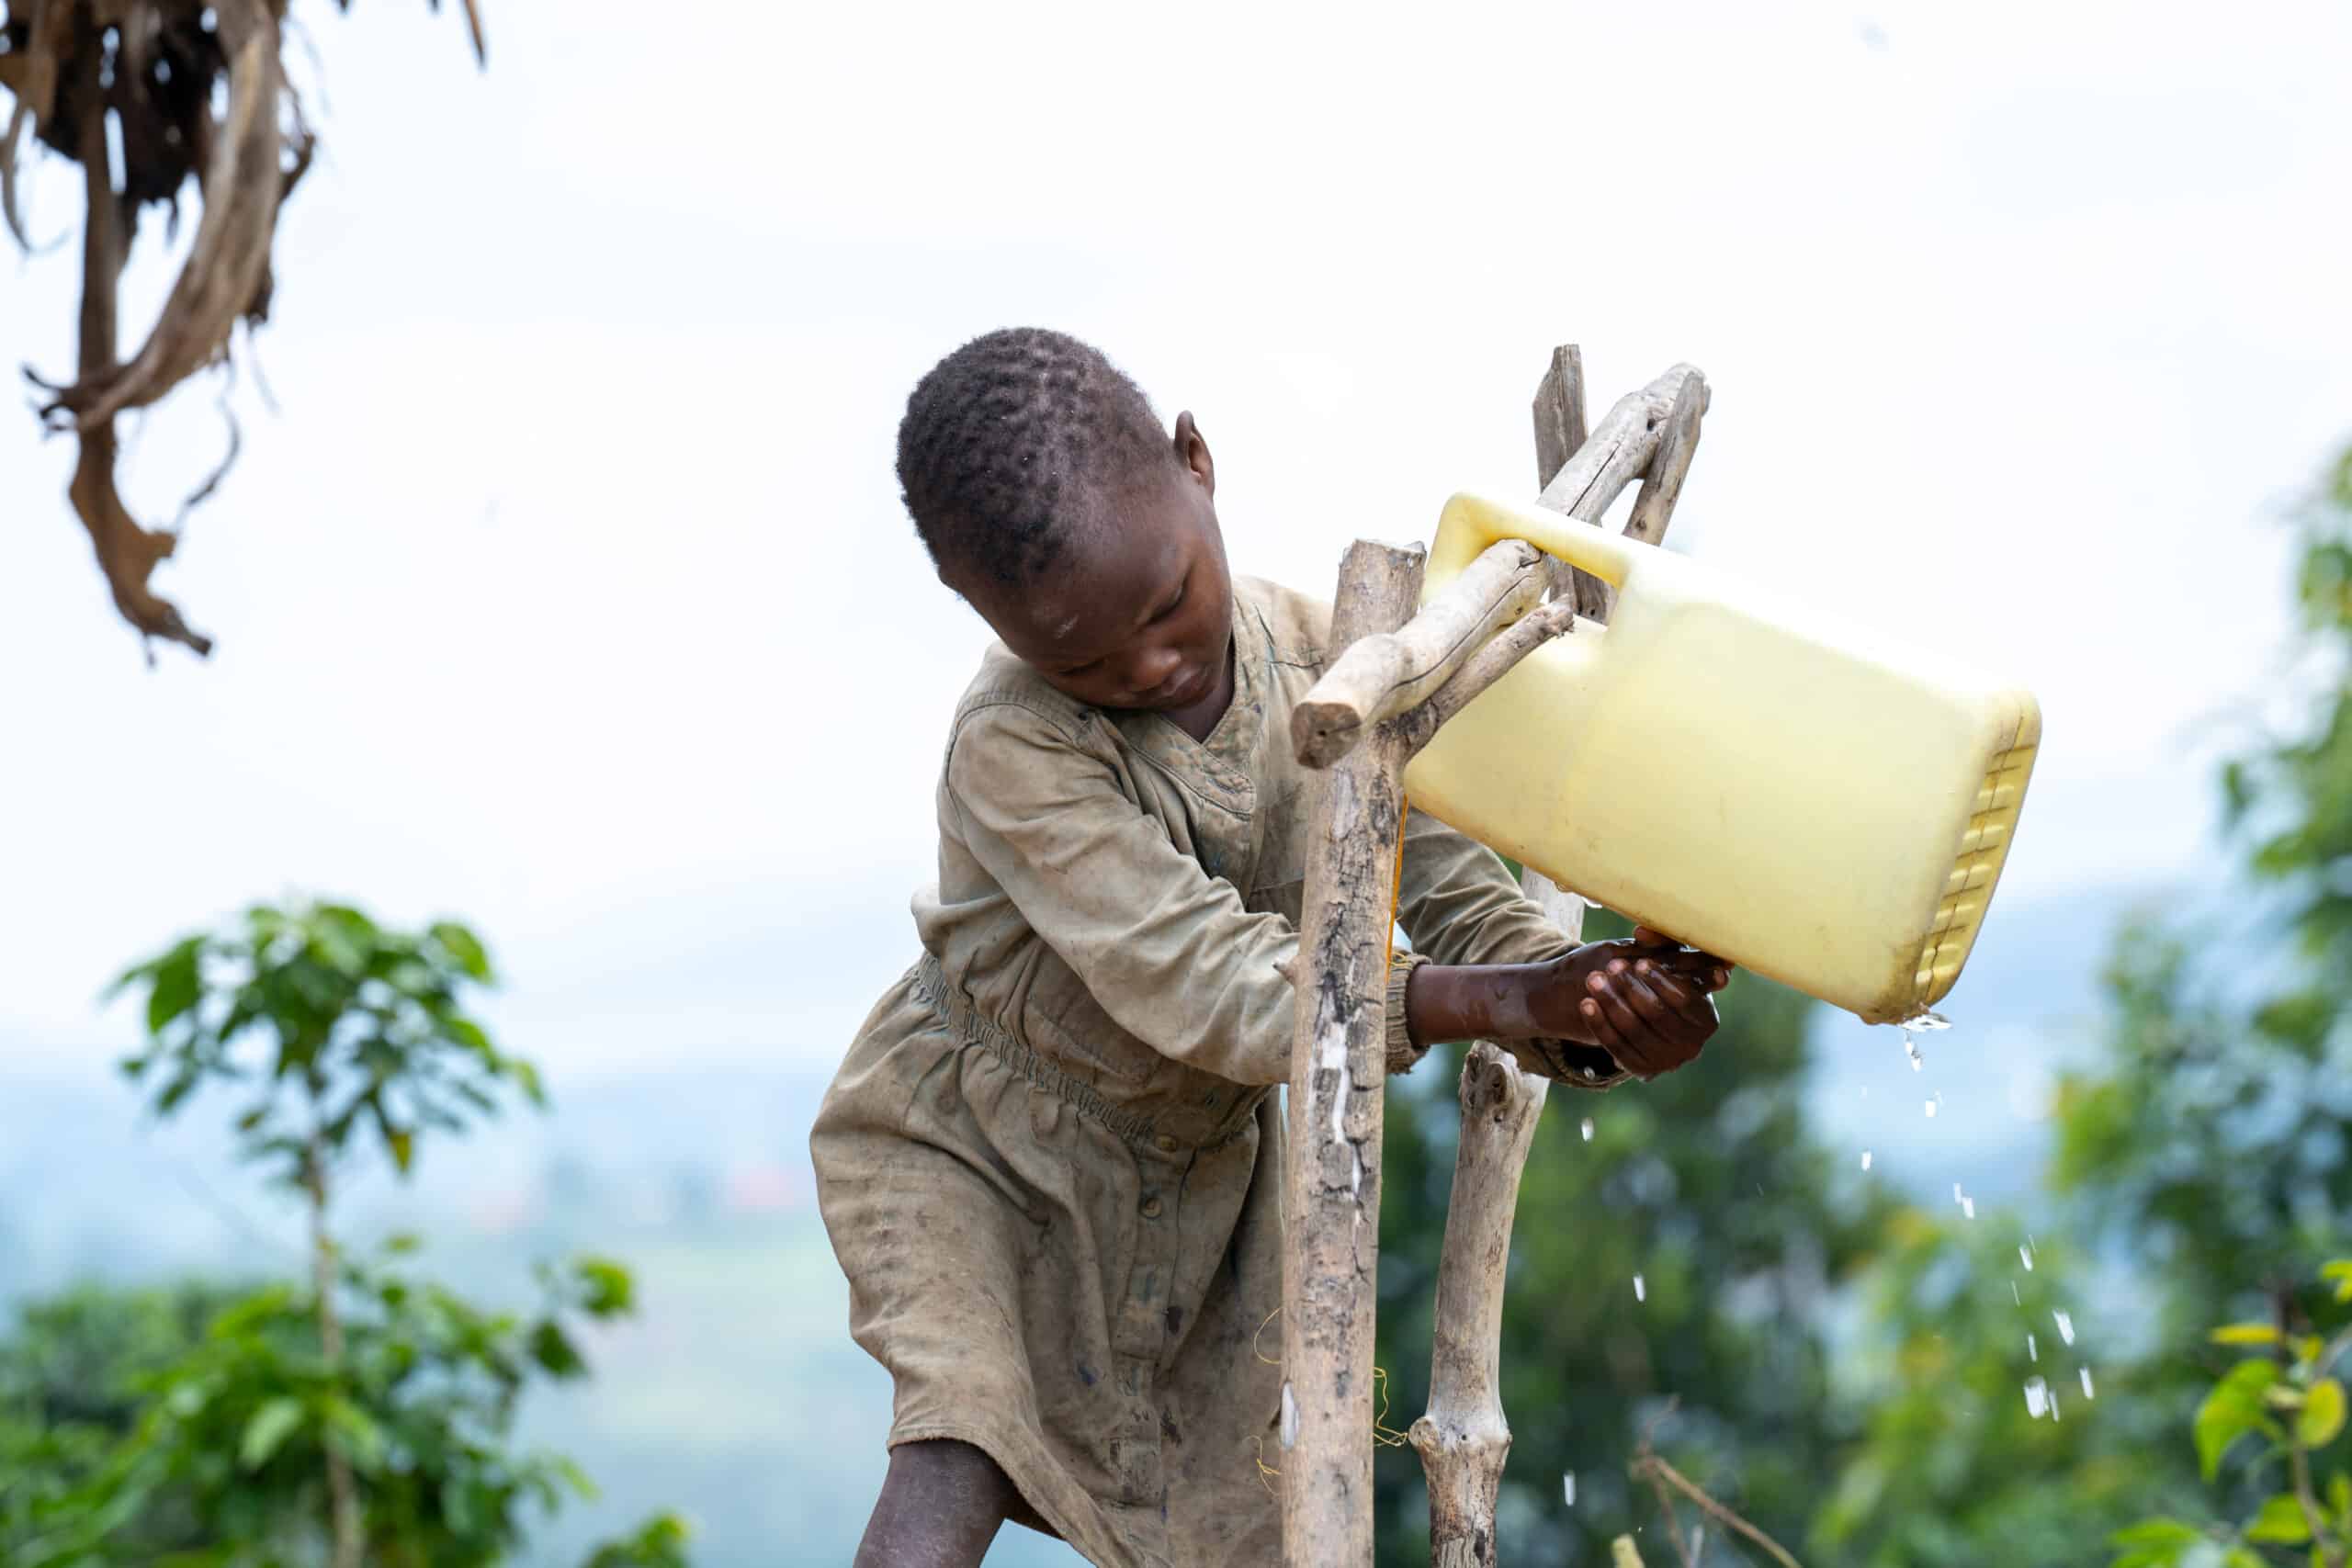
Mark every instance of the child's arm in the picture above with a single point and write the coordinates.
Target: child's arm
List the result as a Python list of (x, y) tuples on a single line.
[(1648, 1003)]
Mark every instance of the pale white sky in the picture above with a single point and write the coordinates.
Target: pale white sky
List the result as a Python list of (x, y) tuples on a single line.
[(569, 590)]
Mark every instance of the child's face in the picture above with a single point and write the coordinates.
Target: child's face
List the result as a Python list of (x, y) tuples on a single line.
[(1139, 614)]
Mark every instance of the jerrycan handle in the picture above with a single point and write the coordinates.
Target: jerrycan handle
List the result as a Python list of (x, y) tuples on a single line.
[(1471, 523)]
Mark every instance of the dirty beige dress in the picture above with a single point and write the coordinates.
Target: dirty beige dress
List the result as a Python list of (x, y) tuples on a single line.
[(1051, 1163)]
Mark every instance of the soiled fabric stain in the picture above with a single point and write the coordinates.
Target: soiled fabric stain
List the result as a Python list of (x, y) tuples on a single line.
[(1054, 1143)]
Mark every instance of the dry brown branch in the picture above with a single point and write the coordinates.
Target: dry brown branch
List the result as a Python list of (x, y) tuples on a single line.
[(73, 68), (1662, 487), (226, 268), (127, 553), (1560, 431), (1385, 674), (1649, 1466)]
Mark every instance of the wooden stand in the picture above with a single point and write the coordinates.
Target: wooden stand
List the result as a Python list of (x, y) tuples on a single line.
[(1398, 677)]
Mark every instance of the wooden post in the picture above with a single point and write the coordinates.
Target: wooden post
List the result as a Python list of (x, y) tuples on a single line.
[(1464, 1438), (1338, 1079)]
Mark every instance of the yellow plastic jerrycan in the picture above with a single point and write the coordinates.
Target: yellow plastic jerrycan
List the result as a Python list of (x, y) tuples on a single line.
[(1806, 801)]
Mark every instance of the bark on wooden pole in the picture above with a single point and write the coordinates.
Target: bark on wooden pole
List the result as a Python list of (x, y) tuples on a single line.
[(1338, 1079)]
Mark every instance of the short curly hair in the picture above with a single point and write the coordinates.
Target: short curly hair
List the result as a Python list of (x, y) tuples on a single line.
[(1014, 442)]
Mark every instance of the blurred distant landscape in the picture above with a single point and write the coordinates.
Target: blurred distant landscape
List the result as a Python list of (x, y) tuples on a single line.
[(736, 1395)]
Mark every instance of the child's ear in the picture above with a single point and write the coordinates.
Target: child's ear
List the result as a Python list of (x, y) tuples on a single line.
[(1192, 451)]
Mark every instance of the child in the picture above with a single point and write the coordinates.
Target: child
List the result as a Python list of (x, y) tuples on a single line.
[(1051, 1163)]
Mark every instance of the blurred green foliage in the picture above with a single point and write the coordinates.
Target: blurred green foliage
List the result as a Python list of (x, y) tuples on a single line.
[(2293, 1400), (1706, 1184), (361, 1415)]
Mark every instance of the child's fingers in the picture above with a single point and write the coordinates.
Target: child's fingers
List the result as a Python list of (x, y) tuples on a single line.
[(1604, 1034), (1647, 1044), (1700, 968), (1658, 1012), (1712, 971), (1692, 1002)]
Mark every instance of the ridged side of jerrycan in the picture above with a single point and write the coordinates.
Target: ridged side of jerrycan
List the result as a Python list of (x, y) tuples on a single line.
[(1809, 802)]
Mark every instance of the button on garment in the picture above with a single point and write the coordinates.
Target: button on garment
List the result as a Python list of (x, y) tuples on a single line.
[(1050, 1164)]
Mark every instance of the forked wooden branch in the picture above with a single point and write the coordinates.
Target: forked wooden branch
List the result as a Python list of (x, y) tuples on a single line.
[(1338, 1079), (1618, 451), (1388, 673), (1465, 1436)]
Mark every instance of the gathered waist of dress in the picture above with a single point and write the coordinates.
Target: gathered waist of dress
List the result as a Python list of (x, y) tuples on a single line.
[(1163, 1122)]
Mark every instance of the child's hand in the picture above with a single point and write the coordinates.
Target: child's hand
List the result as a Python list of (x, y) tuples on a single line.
[(1648, 1001)]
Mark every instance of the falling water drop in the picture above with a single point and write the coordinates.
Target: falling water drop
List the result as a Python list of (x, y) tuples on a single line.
[(2013, 1293), (2031, 1353), (1931, 1108), (1641, 1291), (1911, 1048), (2066, 1324), (1568, 1482), (1588, 1129), (2037, 1397), (1968, 1208), (1866, 1159), (2086, 1384), (2025, 1256), (1290, 1419)]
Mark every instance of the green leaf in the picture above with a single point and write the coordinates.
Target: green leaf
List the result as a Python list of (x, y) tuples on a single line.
[(2322, 1414), (267, 1431), (2154, 1543), (2232, 1410), (361, 1440), (2339, 1497), (2341, 1272), (464, 948), (607, 1288), (2245, 1334), (2239, 1557), (2281, 1520), (555, 1352), (178, 982)]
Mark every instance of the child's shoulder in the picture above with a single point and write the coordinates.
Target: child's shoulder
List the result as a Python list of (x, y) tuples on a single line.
[(1295, 627)]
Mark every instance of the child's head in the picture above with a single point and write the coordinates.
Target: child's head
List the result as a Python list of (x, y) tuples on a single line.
[(1052, 500)]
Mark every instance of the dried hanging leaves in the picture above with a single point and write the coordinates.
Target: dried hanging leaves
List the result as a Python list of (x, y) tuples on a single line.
[(189, 90)]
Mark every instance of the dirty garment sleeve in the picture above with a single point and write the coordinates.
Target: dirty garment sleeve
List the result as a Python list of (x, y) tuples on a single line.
[(1167, 950), (1458, 903)]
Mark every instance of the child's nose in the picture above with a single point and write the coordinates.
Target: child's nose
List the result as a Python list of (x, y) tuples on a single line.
[(1152, 668)]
